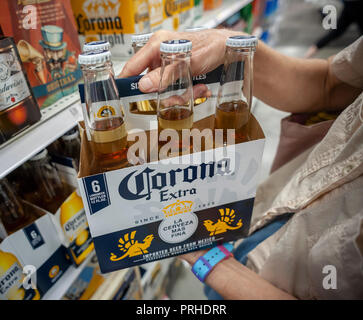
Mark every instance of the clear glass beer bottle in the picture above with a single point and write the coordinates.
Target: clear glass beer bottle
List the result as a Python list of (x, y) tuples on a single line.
[(103, 116), (139, 40), (147, 107), (235, 92), (72, 146), (49, 191), (175, 94), (12, 214), (96, 46)]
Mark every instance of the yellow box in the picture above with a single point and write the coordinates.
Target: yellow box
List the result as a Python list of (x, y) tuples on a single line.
[(114, 21), (177, 14)]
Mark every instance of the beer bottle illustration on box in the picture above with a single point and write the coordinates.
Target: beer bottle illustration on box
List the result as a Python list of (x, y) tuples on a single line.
[(175, 94), (11, 279), (13, 216), (74, 225), (147, 106), (18, 106), (103, 116), (235, 92)]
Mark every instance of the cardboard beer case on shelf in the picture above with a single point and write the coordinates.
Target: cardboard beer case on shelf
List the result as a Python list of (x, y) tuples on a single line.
[(113, 21), (172, 15), (37, 247), (162, 209), (156, 14), (69, 219), (87, 283), (46, 37)]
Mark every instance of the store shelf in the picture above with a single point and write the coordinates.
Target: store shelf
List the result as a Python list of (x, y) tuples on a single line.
[(61, 286), (56, 120), (213, 18), (110, 286)]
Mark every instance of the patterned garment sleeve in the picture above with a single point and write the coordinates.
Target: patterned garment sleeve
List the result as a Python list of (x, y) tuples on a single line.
[(347, 64)]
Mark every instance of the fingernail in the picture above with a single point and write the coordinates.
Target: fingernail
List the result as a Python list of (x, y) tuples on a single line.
[(145, 84)]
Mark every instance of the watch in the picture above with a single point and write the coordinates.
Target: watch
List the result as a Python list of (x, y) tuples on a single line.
[(204, 265)]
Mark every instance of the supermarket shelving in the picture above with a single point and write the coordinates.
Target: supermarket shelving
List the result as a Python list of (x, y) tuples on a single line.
[(213, 18), (61, 286), (56, 120)]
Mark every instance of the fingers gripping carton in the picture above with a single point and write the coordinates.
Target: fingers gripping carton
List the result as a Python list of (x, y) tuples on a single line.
[(160, 209)]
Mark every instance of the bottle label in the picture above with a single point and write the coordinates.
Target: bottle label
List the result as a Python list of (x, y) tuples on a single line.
[(13, 85), (106, 109)]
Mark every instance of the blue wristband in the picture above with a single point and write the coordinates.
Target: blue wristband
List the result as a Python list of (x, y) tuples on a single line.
[(204, 265)]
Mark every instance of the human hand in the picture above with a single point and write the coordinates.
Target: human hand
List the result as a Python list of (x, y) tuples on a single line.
[(193, 256), (207, 54)]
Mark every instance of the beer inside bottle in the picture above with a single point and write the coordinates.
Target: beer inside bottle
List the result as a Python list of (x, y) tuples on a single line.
[(48, 190), (235, 92), (12, 213), (103, 114), (175, 95), (18, 106)]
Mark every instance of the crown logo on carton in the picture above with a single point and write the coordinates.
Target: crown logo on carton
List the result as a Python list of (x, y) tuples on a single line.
[(177, 208), (101, 8)]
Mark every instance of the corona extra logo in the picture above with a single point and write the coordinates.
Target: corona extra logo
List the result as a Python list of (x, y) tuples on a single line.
[(106, 111), (224, 223), (131, 247), (53, 271), (177, 208), (137, 185)]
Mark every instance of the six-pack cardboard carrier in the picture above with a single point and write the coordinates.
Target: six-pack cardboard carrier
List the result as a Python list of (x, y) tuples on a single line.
[(161, 209), (49, 244), (36, 246)]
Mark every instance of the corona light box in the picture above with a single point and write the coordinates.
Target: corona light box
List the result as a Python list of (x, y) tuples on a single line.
[(159, 209), (114, 21)]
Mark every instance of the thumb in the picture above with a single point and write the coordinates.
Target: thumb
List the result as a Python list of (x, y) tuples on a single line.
[(150, 81)]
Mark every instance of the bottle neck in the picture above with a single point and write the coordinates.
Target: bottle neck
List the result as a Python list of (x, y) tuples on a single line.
[(168, 58), (137, 46), (175, 70), (236, 80), (97, 72)]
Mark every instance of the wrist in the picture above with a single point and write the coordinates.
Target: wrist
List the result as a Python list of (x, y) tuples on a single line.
[(203, 266)]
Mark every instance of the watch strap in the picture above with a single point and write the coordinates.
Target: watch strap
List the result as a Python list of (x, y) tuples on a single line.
[(204, 265)]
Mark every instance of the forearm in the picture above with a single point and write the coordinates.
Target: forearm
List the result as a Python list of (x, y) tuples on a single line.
[(233, 281), (289, 84)]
